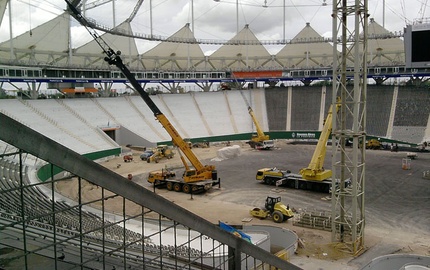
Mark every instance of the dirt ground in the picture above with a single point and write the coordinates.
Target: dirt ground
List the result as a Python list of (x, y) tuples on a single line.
[(316, 251)]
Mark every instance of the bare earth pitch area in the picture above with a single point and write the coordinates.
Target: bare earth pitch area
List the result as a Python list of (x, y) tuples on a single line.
[(397, 200)]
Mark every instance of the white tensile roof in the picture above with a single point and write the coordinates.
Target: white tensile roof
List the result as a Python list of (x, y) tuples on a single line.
[(48, 44), (3, 5), (174, 55), (51, 37), (91, 53), (307, 49), (384, 51), (240, 56)]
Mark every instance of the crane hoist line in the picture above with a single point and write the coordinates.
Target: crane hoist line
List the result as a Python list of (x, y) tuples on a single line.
[(197, 177)]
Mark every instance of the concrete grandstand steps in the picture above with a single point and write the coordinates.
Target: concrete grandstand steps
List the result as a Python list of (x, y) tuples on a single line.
[(205, 123), (174, 110), (278, 107), (410, 134), (238, 102), (149, 123), (107, 139), (66, 122), (379, 102), (121, 112), (259, 108), (36, 121), (44, 111), (205, 114), (36, 205), (412, 114), (159, 132), (232, 120), (412, 108), (7, 148), (87, 109), (106, 111), (306, 105), (215, 110)]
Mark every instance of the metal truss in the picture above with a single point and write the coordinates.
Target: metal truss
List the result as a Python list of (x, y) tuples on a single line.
[(348, 218), (44, 229)]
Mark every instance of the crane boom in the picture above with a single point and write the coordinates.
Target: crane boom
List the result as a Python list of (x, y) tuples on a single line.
[(314, 177), (315, 169), (259, 140), (260, 134), (113, 58)]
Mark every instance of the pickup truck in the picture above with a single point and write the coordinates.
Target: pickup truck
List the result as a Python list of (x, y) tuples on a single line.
[(146, 155)]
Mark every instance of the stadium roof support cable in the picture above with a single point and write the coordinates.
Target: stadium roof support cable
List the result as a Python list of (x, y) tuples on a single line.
[(135, 10), (122, 32)]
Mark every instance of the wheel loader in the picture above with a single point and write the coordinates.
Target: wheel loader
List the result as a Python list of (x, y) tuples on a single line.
[(162, 151), (274, 208)]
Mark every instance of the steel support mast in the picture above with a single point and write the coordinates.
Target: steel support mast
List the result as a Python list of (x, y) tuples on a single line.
[(349, 48)]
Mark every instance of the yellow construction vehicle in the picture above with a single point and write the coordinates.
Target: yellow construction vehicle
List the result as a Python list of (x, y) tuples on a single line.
[(162, 151), (314, 177), (274, 208), (315, 169), (374, 144), (259, 140), (200, 177), (197, 144)]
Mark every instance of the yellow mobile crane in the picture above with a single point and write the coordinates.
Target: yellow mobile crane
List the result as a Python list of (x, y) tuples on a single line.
[(315, 169), (259, 140), (314, 177), (200, 177)]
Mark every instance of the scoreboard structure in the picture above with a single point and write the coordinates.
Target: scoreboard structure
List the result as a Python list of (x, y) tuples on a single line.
[(417, 45)]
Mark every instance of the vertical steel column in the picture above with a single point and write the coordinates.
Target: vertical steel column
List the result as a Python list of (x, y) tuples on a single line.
[(12, 50), (349, 124), (54, 215), (23, 206), (81, 222)]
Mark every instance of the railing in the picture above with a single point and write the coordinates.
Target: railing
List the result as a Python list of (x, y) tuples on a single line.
[(79, 230)]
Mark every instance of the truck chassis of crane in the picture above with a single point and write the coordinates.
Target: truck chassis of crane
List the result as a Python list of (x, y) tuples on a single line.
[(179, 185), (168, 179), (293, 180)]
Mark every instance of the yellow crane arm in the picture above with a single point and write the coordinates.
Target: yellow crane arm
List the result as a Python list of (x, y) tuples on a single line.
[(113, 58), (183, 145), (315, 169), (260, 134)]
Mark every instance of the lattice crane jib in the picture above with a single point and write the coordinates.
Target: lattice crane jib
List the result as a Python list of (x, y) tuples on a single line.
[(350, 20)]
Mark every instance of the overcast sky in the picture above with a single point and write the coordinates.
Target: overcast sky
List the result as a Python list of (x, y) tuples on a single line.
[(212, 19)]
